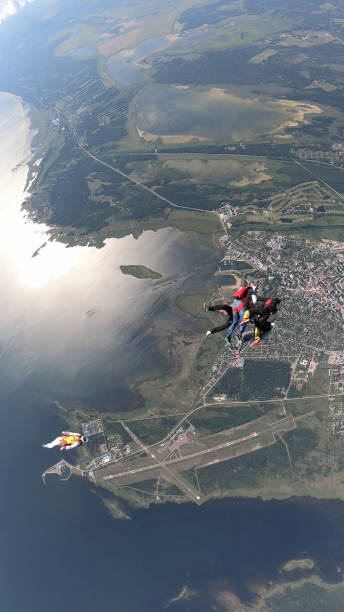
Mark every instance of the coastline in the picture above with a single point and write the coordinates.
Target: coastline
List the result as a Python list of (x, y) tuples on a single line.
[(278, 492)]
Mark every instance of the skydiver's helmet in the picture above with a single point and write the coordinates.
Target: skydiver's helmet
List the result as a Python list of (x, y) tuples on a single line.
[(84, 439)]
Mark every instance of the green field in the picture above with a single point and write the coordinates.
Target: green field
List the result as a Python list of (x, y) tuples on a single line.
[(218, 117)]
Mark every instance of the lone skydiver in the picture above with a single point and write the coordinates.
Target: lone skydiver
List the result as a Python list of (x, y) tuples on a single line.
[(225, 309), (259, 314), (67, 441)]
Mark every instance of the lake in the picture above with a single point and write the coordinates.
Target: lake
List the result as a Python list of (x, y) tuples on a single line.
[(126, 66)]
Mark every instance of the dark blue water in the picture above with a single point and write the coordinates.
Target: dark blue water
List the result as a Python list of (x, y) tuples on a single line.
[(59, 543), (59, 547)]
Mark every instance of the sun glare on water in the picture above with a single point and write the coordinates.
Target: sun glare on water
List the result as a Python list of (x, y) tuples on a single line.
[(53, 261), (28, 255), (33, 259)]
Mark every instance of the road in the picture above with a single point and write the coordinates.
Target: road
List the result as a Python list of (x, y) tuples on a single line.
[(319, 178), (185, 486), (126, 176), (138, 183), (230, 403), (57, 469), (272, 427), (267, 401), (185, 458), (160, 197)]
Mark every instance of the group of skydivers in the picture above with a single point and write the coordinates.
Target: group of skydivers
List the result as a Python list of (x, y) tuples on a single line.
[(247, 306)]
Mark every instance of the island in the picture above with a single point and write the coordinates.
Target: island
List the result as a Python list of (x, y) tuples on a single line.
[(231, 132), (140, 272), (258, 202)]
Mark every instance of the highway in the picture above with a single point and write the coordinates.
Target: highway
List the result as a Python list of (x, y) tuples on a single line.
[(127, 176), (138, 183)]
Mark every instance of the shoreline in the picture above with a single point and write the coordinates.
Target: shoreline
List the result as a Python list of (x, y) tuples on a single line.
[(227, 494)]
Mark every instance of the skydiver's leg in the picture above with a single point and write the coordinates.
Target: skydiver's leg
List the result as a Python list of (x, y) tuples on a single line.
[(55, 442), (257, 336), (237, 316), (220, 327), (235, 322), (266, 328), (263, 326), (243, 314)]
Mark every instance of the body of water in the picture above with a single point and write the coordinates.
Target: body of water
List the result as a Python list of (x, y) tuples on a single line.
[(70, 313), (59, 545), (125, 67)]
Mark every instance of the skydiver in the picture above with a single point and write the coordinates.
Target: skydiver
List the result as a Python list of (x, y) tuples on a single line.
[(223, 308), (67, 441)]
